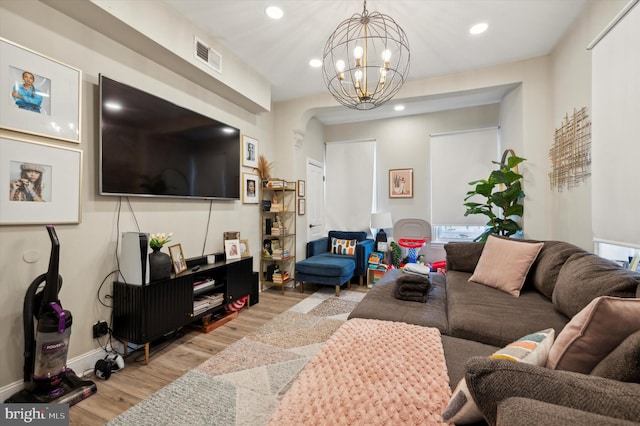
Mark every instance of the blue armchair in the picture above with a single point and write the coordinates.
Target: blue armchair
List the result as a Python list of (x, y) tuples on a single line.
[(325, 268)]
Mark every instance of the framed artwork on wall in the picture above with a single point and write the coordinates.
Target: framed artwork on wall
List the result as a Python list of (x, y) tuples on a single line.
[(401, 183), (301, 188), (301, 206), (177, 258), (250, 188), (249, 151), (44, 183), (38, 95)]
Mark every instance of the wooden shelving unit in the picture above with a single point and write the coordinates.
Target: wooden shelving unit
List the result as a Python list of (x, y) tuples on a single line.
[(278, 233)]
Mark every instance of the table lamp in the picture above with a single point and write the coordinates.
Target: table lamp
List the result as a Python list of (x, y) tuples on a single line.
[(381, 221)]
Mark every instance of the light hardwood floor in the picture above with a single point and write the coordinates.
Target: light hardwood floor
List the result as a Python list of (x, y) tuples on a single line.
[(138, 381)]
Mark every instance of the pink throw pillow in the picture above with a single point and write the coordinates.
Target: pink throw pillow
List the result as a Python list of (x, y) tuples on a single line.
[(505, 263), (593, 333)]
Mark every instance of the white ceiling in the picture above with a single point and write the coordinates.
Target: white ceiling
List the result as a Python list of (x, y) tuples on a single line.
[(437, 31)]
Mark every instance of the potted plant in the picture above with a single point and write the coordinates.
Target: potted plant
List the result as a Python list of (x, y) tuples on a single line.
[(502, 192)]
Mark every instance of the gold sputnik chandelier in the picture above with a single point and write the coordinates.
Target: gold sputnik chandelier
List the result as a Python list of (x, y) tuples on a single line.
[(366, 60)]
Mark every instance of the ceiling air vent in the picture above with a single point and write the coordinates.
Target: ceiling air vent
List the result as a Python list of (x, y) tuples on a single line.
[(209, 56)]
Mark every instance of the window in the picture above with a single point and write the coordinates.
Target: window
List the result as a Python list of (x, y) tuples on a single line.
[(350, 180), (458, 158), (448, 233)]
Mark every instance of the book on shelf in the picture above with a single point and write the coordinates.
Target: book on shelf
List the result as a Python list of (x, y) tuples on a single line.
[(280, 277), (203, 303), (285, 254), (279, 231), (275, 183), (204, 284)]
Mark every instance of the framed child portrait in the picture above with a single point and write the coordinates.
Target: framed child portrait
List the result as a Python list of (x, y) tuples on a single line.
[(244, 248), (232, 249), (38, 95), (250, 188), (43, 183)]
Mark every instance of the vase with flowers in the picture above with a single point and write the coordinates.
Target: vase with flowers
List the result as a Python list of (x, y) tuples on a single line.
[(159, 262)]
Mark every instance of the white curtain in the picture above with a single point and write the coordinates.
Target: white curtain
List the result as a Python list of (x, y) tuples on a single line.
[(458, 158), (350, 184), (616, 132)]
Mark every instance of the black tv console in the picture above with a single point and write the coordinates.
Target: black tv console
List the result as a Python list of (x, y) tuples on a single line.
[(144, 313)]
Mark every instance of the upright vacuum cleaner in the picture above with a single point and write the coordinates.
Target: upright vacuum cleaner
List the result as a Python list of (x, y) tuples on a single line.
[(46, 376)]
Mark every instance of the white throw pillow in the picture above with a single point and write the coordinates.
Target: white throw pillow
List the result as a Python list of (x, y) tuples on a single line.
[(530, 349)]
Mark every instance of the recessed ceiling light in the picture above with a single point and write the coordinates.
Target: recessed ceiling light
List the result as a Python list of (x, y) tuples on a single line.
[(399, 107), (315, 63), (274, 12), (478, 28)]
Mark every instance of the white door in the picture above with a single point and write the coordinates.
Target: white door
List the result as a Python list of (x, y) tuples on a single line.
[(315, 200)]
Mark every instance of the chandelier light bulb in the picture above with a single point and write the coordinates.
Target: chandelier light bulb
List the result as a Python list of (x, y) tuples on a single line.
[(357, 52), (386, 55), (358, 75), (383, 76), (340, 65)]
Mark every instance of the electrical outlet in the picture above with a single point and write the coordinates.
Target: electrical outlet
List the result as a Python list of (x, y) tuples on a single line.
[(100, 329)]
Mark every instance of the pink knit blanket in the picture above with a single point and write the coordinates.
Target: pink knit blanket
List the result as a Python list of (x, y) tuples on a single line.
[(371, 372)]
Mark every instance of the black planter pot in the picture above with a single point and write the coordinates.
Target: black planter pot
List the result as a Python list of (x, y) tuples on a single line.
[(159, 265)]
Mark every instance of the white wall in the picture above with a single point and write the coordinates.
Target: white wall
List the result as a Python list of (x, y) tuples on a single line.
[(571, 77), (88, 249)]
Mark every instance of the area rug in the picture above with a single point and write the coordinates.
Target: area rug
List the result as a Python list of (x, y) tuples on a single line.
[(243, 384)]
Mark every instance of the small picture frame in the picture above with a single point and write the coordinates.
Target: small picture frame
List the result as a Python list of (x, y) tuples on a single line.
[(301, 188), (232, 249), (231, 235), (250, 188), (301, 206), (401, 183), (177, 258), (39, 95), (244, 248), (249, 151)]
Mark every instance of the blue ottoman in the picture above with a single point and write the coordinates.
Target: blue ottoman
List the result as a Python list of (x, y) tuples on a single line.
[(325, 269)]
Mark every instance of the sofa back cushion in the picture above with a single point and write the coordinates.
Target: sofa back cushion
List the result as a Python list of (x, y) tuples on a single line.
[(463, 257), (623, 363), (347, 235), (545, 270), (586, 276)]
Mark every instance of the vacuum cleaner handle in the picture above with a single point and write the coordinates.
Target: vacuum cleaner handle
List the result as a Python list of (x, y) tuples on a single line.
[(52, 286)]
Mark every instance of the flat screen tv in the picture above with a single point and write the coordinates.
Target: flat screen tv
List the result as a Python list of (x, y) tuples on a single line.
[(150, 147)]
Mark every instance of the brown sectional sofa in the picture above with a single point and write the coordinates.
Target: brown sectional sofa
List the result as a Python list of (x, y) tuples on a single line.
[(476, 320)]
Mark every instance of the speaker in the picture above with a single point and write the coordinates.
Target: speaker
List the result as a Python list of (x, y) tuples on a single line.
[(134, 258), (254, 296)]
